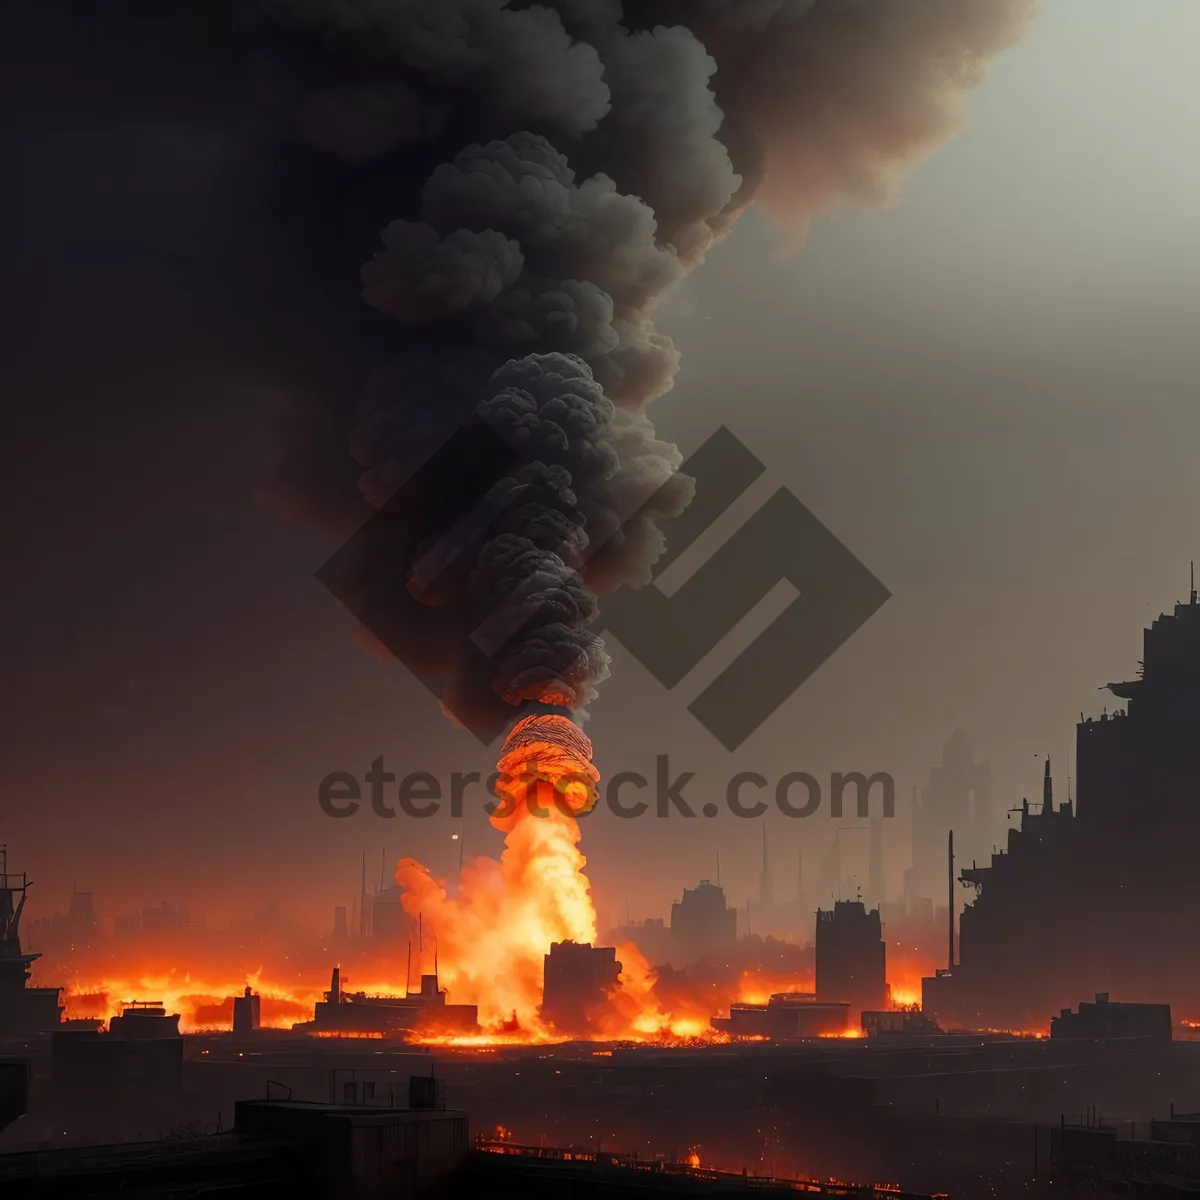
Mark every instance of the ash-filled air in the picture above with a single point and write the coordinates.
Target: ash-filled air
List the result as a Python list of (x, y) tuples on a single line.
[(556, 168)]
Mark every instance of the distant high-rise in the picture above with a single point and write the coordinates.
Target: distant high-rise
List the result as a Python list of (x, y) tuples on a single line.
[(959, 797), (341, 927), (766, 889), (702, 923), (829, 881), (81, 912), (875, 884), (163, 916), (81, 918)]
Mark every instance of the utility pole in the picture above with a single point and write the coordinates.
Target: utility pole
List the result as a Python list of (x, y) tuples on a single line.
[(950, 896)]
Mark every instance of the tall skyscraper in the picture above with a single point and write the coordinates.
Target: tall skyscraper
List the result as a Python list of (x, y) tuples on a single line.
[(766, 889)]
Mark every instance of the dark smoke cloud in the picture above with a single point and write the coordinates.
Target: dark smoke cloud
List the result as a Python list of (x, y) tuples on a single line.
[(557, 167)]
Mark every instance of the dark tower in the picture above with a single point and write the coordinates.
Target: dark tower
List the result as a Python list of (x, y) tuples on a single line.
[(950, 898), (851, 958), (577, 982), (23, 1009), (341, 929), (247, 1012)]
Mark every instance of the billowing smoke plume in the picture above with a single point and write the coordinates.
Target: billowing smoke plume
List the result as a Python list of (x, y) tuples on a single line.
[(556, 167)]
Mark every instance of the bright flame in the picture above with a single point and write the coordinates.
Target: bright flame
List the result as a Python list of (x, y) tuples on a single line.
[(203, 997), (493, 936), (757, 987)]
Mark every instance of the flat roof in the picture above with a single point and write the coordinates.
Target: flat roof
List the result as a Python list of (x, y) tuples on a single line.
[(353, 1110)]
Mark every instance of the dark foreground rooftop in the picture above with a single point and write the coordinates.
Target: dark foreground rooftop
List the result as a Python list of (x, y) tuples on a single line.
[(224, 1164), (278, 1148)]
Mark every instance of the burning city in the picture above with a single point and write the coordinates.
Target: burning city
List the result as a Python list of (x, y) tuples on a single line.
[(829, 1035), (611, 407)]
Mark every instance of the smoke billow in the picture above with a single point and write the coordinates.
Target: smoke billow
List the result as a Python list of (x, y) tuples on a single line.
[(556, 168)]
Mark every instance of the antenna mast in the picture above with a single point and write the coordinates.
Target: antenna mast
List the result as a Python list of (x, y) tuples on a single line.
[(950, 893)]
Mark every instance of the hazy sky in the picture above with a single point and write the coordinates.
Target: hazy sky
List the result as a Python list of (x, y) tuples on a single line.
[(987, 391)]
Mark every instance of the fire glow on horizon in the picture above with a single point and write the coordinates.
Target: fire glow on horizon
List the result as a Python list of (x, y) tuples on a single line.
[(204, 999), (488, 942)]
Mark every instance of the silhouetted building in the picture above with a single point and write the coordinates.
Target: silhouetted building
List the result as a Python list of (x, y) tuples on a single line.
[(247, 1012), (102, 1066), (159, 917), (23, 1009), (875, 879), (787, 1016), (141, 1055), (1108, 1019), (851, 957), (959, 797), (142, 1019), (578, 979), (1099, 895), (81, 917), (359, 1153), (651, 937), (829, 872), (277, 1148), (341, 926), (702, 924), (357, 1013), (907, 1021)]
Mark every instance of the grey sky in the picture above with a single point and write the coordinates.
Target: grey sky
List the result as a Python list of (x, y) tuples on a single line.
[(989, 391)]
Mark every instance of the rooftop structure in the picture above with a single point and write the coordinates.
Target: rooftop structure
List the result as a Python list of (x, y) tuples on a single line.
[(787, 1016), (1109, 1019), (426, 1011)]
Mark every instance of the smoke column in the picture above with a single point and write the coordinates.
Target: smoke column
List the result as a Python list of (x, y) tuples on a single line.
[(549, 171), (556, 168)]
